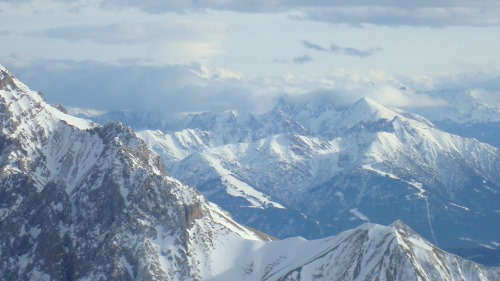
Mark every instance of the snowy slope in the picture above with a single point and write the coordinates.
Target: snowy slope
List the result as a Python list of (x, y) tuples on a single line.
[(319, 162), (369, 252)]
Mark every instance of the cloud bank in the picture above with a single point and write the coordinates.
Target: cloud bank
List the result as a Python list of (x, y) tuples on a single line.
[(387, 13), (188, 88), (357, 13), (103, 86)]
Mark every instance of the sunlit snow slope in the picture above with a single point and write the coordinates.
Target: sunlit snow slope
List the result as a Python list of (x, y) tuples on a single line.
[(316, 169)]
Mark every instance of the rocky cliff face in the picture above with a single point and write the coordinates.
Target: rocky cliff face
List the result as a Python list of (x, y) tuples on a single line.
[(84, 202)]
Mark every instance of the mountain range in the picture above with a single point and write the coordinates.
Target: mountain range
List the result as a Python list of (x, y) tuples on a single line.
[(473, 113), (315, 169), (82, 201)]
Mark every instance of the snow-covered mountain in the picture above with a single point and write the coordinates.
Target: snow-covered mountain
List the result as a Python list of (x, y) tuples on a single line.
[(79, 201), (369, 252), (316, 169), (463, 106), (473, 113)]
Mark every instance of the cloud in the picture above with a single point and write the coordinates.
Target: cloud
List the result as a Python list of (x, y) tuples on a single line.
[(192, 87), (450, 14), (16, 2), (133, 32), (125, 33), (346, 93), (472, 79), (348, 51), (357, 13), (343, 88), (160, 6), (168, 41), (302, 59), (96, 85), (314, 46)]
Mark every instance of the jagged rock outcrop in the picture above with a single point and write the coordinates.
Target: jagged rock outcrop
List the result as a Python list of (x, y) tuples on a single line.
[(85, 202)]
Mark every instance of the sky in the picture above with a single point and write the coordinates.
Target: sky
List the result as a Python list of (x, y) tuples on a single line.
[(199, 55)]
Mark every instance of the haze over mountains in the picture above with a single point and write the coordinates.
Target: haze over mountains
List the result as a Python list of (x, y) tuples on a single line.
[(81, 201), (473, 113)]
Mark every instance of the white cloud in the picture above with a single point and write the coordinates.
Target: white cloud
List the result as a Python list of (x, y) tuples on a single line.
[(470, 79), (342, 88), (199, 88), (159, 88)]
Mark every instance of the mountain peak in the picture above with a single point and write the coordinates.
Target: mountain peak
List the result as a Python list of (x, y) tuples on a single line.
[(8, 82), (399, 224), (6, 79), (25, 106), (368, 103), (403, 229), (366, 100), (365, 110)]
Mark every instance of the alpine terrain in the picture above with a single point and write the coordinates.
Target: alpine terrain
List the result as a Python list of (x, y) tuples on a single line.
[(471, 113), (315, 169), (79, 201)]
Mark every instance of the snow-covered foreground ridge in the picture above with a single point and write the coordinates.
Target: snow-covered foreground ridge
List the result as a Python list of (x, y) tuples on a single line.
[(80, 201), (369, 252)]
